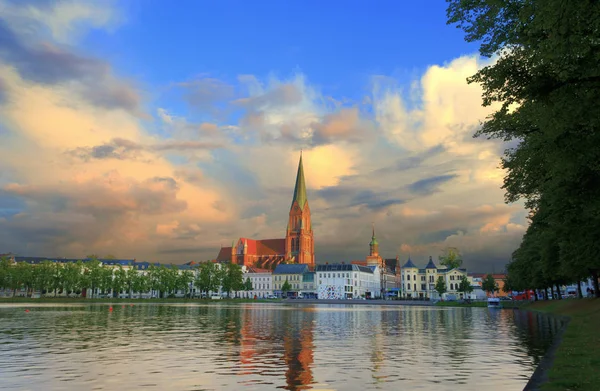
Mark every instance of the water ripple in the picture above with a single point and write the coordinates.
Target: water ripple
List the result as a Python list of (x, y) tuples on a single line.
[(262, 347)]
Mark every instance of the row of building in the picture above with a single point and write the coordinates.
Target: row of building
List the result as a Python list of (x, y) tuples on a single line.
[(356, 280)]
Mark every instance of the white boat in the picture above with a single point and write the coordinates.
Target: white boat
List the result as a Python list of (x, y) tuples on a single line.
[(494, 302)]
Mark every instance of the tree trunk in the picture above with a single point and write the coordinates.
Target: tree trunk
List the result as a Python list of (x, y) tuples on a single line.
[(579, 292), (535, 297), (558, 292), (552, 291), (596, 285)]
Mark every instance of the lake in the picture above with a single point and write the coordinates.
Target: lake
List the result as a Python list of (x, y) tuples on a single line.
[(260, 346)]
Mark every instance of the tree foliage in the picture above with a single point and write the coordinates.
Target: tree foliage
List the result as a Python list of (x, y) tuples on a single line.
[(73, 278), (464, 285), (232, 278), (489, 284), (451, 258), (440, 286), (545, 85), (286, 287)]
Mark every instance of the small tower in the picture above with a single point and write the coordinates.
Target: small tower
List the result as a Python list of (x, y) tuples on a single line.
[(373, 259), (374, 245)]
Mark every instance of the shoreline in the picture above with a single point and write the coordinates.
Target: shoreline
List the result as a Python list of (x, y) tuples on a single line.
[(541, 374), (570, 362)]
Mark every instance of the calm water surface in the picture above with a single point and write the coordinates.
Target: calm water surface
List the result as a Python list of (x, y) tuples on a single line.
[(268, 346)]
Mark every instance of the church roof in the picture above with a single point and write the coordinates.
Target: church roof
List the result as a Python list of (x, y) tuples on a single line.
[(430, 265), (265, 246), (409, 264), (224, 254), (300, 189)]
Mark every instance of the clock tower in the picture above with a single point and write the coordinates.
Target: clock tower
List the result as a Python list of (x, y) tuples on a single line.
[(299, 244)]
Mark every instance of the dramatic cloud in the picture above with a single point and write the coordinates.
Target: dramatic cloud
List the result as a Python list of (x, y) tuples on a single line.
[(429, 185), (122, 149), (48, 63), (84, 169)]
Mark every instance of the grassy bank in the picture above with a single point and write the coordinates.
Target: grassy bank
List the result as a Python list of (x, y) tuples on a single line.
[(576, 360), (64, 300)]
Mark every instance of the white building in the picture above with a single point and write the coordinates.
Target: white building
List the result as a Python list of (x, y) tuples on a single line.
[(342, 281), (262, 283), (420, 283)]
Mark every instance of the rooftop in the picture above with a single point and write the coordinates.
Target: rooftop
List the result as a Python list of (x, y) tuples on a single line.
[(291, 269)]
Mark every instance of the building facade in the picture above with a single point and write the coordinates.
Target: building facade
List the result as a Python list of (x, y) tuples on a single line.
[(347, 281), (420, 283), (293, 274), (262, 283), (388, 269), (297, 247)]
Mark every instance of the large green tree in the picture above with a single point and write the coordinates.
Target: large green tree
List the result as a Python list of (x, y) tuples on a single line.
[(545, 85), (5, 274), (232, 278), (451, 258), (489, 284), (440, 286), (208, 278), (94, 272), (465, 286)]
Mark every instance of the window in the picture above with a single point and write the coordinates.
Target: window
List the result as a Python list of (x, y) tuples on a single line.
[(422, 278), (415, 286), (422, 287), (408, 277)]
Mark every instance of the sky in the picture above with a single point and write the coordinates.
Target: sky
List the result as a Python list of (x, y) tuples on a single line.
[(161, 133)]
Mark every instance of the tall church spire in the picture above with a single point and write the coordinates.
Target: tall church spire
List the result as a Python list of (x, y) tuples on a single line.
[(300, 189), (299, 245)]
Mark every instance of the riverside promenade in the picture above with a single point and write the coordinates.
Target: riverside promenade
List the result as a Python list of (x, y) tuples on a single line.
[(360, 302)]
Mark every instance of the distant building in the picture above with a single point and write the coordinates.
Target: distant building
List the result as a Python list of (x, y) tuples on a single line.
[(388, 269), (420, 283), (499, 277), (293, 274), (262, 283), (309, 287), (348, 281), (297, 247)]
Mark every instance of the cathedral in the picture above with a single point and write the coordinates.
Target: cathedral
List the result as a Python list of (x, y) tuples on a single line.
[(297, 247)]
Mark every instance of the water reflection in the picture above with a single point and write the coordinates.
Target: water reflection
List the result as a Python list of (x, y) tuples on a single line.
[(260, 346)]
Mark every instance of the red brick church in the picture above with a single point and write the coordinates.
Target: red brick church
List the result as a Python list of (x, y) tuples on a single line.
[(297, 247)]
